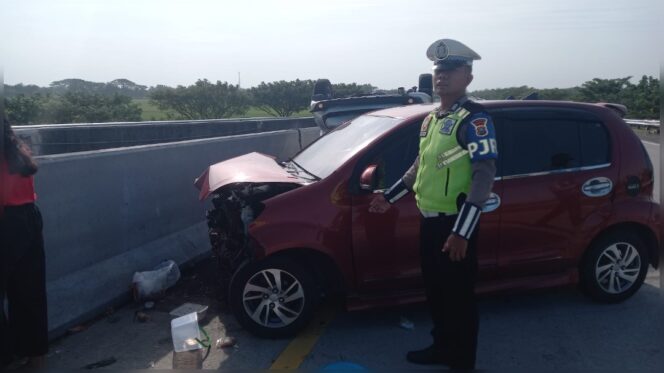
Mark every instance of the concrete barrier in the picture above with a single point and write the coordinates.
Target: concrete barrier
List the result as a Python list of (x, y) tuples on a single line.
[(109, 213), (68, 138)]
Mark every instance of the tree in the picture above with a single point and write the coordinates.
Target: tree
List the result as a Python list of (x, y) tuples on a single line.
[(202, 100), (560, 94), (71, 107), (503, 93), (30, 89), (340, 90), (126, 87), (644, 99), (118, 86), (22, 109), (76, 85), (78, 107), (282, 98), (604, 90)]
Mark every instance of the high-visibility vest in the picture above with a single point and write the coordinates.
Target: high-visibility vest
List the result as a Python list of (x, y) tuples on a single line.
[(444, 171)]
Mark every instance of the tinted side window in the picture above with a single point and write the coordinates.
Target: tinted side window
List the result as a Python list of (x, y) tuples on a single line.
[(595, 142), (540, 145), (396, 157), (500, 124)]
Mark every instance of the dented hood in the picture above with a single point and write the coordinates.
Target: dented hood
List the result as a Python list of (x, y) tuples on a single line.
[(248, 168)]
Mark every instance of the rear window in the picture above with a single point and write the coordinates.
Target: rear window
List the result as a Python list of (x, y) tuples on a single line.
[(537, 145)]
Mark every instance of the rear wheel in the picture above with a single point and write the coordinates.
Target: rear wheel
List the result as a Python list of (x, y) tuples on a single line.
[(274, 297), (614, 267)]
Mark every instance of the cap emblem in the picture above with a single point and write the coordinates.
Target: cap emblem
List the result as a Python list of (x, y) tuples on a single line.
[(441, 51)]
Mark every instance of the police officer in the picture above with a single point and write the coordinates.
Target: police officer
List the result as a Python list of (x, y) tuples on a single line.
[(452, 178)]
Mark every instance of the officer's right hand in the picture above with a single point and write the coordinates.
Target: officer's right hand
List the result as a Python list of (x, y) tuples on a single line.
[(379, 204)]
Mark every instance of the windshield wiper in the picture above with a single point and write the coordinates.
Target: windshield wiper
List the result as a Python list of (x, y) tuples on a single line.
[(316, 178)]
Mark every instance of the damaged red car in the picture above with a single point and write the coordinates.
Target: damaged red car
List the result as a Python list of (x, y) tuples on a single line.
[(572, 203)]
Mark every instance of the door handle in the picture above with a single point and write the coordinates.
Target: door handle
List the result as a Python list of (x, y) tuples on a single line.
[(597, 187), (492, 203)]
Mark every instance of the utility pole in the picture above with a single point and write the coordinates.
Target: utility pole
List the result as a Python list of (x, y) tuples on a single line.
[(238, 79)]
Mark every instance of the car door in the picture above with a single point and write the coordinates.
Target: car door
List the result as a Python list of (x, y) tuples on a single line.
[(556, 173), (386, 246)]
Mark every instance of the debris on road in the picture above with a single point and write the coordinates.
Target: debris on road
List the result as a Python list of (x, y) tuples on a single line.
[(150, 284), (76, 329), (101, 363), (142, 316), (186, 333), (406, 324), (188, 359), (225, 342)]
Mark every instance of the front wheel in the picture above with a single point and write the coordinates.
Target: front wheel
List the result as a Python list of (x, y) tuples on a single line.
[(614, 267), (273, 298)]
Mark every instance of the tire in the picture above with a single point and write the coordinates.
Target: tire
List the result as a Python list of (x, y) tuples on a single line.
[(614, 267), (269, 308)]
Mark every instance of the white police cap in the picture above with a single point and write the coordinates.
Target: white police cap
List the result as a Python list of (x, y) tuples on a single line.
[(449, 53)]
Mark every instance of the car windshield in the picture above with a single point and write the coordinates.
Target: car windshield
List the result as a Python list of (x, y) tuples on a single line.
[(332, 150)]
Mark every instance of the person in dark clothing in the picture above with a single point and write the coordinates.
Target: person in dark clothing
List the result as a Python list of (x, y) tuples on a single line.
[(452, 178), (23, 328)]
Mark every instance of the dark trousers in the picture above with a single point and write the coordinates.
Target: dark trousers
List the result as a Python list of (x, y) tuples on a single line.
[(24, 328), (450, 290)]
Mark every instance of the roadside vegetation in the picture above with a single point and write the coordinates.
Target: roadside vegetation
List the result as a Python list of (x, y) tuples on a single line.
[(121, 100)]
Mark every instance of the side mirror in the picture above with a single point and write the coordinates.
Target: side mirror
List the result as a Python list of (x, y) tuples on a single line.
[(367, 179)]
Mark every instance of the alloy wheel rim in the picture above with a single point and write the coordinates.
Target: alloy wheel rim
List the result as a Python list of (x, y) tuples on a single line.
[(618, 268), (273, 298)]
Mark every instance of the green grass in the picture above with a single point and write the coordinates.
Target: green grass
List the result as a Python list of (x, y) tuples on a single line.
[(152, 112)]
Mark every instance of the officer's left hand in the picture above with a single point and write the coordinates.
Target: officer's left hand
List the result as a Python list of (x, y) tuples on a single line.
[(456, 247), (379, 204)]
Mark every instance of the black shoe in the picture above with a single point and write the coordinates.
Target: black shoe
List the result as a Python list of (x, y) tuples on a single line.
[(430, 355)]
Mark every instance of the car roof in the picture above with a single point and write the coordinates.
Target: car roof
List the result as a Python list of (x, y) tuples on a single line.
[(410, 111)]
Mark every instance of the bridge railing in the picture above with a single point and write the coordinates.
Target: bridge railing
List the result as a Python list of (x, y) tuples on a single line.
[(652, 126), (71, 138)]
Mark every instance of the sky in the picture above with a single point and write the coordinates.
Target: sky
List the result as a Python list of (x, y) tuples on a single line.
[(543, 44)]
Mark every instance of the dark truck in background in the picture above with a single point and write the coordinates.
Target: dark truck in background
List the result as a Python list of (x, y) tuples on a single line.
[(330, 112)]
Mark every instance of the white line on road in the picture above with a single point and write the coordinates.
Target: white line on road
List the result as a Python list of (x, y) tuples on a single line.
[(650, 142)]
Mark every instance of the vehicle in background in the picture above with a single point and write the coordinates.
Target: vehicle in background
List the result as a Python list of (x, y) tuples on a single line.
[(330, 112)]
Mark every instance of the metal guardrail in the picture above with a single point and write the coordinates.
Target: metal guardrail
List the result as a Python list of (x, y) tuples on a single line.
[(70, 138), (652, 126)]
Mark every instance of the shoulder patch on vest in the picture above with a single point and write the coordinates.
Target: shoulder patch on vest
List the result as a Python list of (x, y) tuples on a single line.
[(480, 126), (462, 113), (424, 128), (481, 137)]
